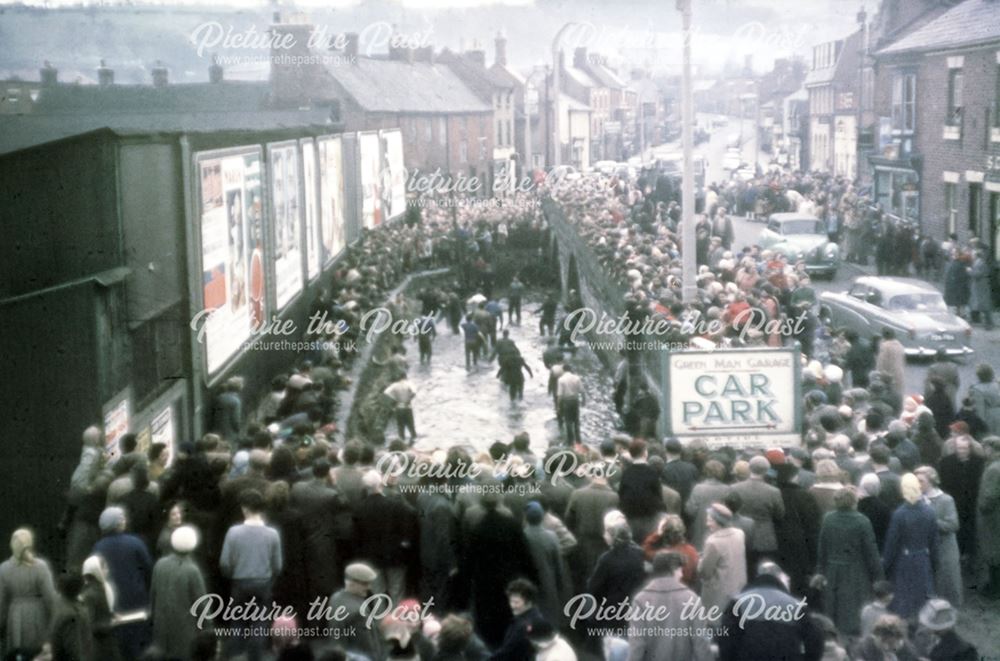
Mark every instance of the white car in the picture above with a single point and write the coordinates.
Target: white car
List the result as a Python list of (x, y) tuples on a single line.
[(732, 160), (605, 167)]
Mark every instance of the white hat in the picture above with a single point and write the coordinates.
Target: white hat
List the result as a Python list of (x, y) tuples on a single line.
[(833, 373), (184, 539)]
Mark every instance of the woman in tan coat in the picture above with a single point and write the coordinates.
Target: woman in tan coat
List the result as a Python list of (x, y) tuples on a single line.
[(723, 566)]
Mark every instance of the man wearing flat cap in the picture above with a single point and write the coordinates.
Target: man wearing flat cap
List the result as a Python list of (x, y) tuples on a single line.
[(350, 629)]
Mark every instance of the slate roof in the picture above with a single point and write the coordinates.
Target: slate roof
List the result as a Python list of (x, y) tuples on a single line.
[(397, 86), (512, 77), (580, 76), (226, 96), (478, 78), (604, 76), (969, 23), (24, 131)]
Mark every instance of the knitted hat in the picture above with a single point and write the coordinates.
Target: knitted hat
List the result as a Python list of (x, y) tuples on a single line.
[(184, 539), (533, 513), (111, 519)]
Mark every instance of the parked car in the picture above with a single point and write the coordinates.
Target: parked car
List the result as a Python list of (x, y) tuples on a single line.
[(606, 167), (563, 173), (801, 237), (733, 159), (913, 309)]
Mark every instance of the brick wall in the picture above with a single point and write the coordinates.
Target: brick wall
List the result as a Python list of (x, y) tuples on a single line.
[(969, 152)]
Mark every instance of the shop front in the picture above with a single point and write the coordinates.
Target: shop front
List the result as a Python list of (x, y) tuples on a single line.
[(897, 189)]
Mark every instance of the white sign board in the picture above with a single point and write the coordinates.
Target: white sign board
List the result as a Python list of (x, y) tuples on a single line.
[(738, 397)]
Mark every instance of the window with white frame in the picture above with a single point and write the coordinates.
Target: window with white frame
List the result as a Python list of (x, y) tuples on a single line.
[(951, 206), (904, 102), (955, 84)]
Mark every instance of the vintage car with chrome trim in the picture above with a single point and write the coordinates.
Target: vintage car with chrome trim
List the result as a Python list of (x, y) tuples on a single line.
[(802, 237), (912, 308)]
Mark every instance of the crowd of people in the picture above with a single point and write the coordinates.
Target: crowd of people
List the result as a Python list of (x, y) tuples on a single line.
[(857, 544)]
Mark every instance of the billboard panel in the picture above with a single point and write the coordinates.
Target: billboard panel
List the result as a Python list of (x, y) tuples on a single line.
[(371, 181), (311, 209), (393, 185), (736, 397), (286, 237), (331, 176), (232, 251)]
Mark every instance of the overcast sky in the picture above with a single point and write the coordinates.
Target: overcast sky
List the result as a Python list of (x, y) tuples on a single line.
[(631, 32)]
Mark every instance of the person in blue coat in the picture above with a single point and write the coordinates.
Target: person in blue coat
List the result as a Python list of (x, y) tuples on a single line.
[(910, 549), (131, 569)]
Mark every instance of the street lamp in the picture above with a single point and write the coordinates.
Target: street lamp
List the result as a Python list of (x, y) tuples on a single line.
[(538, 69), (689, 289), (556, 72)]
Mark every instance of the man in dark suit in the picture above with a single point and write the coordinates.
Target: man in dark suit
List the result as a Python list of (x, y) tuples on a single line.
[(328, 529), (640, 493), (678, 473)]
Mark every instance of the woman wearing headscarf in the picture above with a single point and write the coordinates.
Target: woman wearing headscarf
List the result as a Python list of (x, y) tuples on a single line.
[(27, 595), (98, 596), (947, 565), (723, 566), (910, 547), (177, 584)]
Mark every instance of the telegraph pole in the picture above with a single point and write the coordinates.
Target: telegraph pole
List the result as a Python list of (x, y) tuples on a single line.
[(689, 289)]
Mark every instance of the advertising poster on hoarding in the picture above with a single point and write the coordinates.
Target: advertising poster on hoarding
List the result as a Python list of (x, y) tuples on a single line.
[(393, 175), (232, 258), (738, 397), (117, 417), (371, 180), (309, 204), (162, 430), (286, 222), (331, 174)]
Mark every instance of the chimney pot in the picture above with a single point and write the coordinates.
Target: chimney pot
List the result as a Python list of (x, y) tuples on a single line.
[(215, 71), (105, 75), (160, 75), (501, 49), (351, 45), (49, 75)]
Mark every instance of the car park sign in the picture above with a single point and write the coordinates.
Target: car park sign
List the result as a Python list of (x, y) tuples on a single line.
[(735, 397)]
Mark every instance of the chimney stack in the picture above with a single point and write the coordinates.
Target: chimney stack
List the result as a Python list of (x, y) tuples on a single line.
[(49, 75), (160, 75), (215, 72), (500, 44), (105, 76), (351, 45), (477, 56), (580, 57)]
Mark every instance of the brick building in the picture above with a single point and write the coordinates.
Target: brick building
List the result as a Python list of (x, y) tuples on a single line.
[(494, 88), (937, 92)]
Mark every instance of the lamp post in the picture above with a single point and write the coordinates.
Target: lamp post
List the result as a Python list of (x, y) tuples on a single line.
[(689, 291), (556, 73), (528, 85)]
